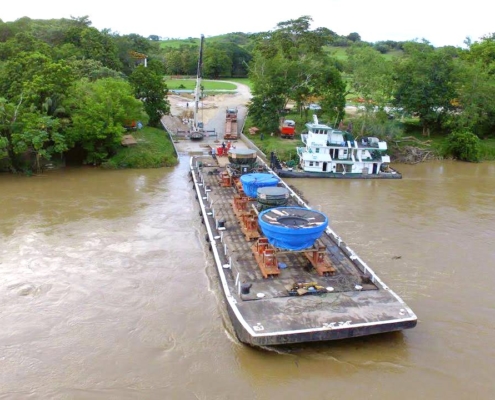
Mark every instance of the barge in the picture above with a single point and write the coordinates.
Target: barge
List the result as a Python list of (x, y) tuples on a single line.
[(286, 276)]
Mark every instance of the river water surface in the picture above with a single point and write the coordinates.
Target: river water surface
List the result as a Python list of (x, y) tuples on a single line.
[(108, 292)]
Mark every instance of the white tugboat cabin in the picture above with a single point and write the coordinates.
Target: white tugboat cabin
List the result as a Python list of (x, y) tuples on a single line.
[(336, 152)]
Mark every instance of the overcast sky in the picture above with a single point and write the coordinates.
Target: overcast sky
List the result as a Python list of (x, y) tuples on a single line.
[(442, 22)]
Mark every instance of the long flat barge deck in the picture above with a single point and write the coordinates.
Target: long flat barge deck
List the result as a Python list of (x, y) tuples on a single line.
[(274, 296)]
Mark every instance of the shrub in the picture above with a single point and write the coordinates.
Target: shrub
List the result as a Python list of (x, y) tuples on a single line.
[(488, 150), (378, 125), (464, 145), (153, 150)]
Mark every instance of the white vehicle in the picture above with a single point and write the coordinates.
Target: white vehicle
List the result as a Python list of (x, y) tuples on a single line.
[(314, 107)]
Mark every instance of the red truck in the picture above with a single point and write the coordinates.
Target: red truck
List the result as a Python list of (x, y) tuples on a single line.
[(230, 132), (287, 129)]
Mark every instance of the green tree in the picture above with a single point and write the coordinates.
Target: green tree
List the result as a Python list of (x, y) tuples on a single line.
[(371, 75), (181, 61), (295, 40), (99, 111), (41, 136), (128, 46), (354, 37), (464, 146), (327, 36), (24, 132), (331, 90), (371, 80), (149, 86), (216, 62), (23, 42), (239, 58), (476, 98), (425, 83), (48, 86), (289, 64), (92, 69), (100, 46), (38, 78), (9, 115), (483, 52), (173, 63), (271, 90), (190, 59), (265, 112)]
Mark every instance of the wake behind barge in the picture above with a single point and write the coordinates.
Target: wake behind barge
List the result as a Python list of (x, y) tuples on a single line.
[(274, 294)]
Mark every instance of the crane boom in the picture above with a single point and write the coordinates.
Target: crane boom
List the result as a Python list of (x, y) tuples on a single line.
[(197, 91)]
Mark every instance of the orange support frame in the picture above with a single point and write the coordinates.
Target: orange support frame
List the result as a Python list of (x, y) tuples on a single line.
[(319, 259), (240, 205), (226, 179), (266, 258), (238, 186), (249, 225)]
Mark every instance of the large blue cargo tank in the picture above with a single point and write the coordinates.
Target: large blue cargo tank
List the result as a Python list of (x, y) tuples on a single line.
[(292, 228), (251, 182)]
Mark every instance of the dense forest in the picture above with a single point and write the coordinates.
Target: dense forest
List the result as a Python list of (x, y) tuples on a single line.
[(448, 90), (68, 89)]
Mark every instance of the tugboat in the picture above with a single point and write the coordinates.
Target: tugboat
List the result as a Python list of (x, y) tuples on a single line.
[(332, 153), (285, 275)]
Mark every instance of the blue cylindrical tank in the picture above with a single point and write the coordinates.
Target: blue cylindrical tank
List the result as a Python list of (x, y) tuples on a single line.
[(292, 228), (251, 182)]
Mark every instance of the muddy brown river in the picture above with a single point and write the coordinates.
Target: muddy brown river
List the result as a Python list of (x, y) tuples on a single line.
[(107, 290)]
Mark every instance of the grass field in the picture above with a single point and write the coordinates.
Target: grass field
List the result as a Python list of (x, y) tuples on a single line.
[(190, 84), (393, 54), (208, 84), (244, 81), (176, 43), (284, 148), (153, 150), (340, 53)]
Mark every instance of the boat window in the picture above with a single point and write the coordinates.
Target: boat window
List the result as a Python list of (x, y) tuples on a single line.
[(317, 150), (311, 163), (317, 163)]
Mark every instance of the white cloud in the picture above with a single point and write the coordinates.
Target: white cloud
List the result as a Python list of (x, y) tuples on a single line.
[(441, 23)]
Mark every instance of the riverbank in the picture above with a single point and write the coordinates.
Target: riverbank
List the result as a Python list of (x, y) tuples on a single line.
[(152, 150), (409, 147)]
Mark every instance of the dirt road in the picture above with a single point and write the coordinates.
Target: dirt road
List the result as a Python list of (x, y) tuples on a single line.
[(211, 108), (211, 112)]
